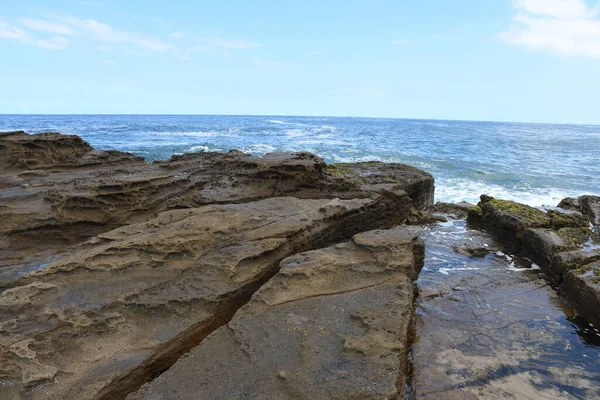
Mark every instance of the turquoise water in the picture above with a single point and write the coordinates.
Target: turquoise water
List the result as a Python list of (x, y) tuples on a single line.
[(537, 164)]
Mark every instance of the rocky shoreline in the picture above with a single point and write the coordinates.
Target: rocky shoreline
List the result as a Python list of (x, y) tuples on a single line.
[(225, 275)]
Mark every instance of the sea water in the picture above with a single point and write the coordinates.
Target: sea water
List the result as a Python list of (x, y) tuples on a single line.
[(537, 164)]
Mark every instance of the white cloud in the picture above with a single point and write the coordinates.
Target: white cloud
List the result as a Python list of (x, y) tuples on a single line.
[(13, 33), (563, 9), (109, 62), (238, 44), (177, 35), (109, 34), (565, 27), (369, 92), (46, 26), (55, 42)]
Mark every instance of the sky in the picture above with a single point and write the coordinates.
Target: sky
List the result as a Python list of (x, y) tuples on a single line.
[(494, 60)]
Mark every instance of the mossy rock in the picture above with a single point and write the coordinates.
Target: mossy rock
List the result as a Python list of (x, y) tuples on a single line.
[(335, 171), (530, 216), (574, 237), (475, 216), (560, 220), (421, 217)]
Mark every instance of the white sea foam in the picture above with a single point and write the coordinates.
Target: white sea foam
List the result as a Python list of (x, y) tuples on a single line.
[(456, 190), (278, 122), (211, 133), (196, 149), (511, 267), (446, 271), (258, 149)]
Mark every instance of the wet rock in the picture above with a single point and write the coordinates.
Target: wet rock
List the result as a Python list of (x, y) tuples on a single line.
[(423, 217), (553, 240), (542, 244), (99, 321), (509, 220), (587, 205), (451, 210), (585, 282), (590, 206), (332, 324), (472, 250), (570, 203), (564, 262)]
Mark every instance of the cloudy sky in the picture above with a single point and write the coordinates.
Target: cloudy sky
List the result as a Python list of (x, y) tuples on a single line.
[(501, 60)]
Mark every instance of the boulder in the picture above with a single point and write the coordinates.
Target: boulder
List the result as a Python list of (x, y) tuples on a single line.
[(585, 283), (587, 205), (541, 245), (334, 323), (509, 220), (590, 206)]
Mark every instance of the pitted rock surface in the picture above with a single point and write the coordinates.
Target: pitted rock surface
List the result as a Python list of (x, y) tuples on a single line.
[(332, 324)]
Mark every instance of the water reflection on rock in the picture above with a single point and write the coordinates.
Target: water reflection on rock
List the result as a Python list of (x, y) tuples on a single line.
[(487, 329)]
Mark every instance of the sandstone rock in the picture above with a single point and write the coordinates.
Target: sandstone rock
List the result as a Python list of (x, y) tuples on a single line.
[(567, 261), (70, 192), (333, 324), (587, 205), (418, 185), (553, 240), (590, 206), (99, 321), (509, 220), (585, 283), (542, 244), (570, 203)]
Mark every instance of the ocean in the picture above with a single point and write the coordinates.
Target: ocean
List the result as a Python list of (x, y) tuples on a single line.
[(536, 164)]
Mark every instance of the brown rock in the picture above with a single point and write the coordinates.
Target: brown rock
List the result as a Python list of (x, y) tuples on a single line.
[(583, 285), (333, 324), (75, 192), (98, 322)]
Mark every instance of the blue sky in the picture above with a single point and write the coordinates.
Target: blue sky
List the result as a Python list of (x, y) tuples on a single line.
[(501, 60)]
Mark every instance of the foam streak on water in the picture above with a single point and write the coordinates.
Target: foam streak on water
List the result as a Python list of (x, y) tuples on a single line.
[(535, 164)]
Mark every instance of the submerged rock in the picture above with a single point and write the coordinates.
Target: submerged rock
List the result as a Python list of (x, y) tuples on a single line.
[(334, 323), (451, 210)]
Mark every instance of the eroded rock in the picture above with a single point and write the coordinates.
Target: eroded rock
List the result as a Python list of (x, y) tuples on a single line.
[(588, 205), (100, 321), (55, 190), (332, 324)]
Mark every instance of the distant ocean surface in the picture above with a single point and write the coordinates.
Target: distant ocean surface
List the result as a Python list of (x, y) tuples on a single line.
[(538, 164)]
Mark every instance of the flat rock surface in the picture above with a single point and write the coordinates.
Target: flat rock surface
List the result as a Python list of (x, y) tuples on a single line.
[(100, 320), (332, 324)]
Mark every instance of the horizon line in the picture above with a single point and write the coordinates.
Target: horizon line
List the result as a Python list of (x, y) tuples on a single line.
[(301, 116)]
